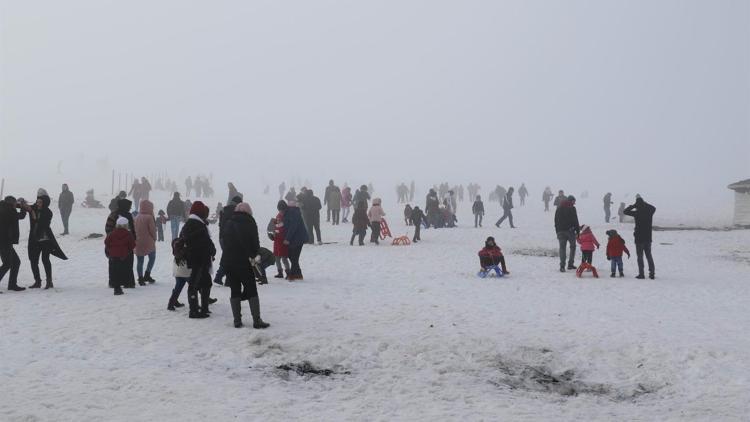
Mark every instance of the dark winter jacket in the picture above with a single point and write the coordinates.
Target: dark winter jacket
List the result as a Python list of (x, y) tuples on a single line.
[(508, 202), (9, 218), (361, 195), (176, 209), (114, 202), (65, 201), (123, 210), (200, 249), (478, 208), (566, 218), (417, 216), (607, 201), (311, 207), (240, 240), (224, 216), (296, 233), (643, 213), (359, 218), (40, 231)]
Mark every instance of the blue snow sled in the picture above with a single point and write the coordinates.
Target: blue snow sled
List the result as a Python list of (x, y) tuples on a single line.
[(487, 272)]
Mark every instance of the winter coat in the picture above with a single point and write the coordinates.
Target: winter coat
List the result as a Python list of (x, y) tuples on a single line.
[(240, 240), (376, 213), (334, 199), (330, 189), (279, 235), (176, 209), (123, 210), (417, 216), (360, 220), (616, 246), (566, 218), (643, 213), (588, 241), (40, 231), (311, 207), (9, 218), (361, 195), (607, 201), (224, 216), (145, 229), (346, 197), (491, 252), (65, 202), (508, 202), (200, 249), (296, 233), (119, 244), (478, 208), (559, 199)]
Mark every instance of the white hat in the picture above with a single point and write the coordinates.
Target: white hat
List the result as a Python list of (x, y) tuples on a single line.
[(122, 221)]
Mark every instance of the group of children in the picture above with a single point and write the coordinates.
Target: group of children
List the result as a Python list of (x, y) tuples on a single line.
[(491, 256)]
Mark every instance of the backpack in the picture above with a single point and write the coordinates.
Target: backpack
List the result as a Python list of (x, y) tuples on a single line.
[(179, 250)]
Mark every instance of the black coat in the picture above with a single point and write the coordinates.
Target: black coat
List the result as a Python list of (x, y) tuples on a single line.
[(65, 201), (40, 232), (566, 218), (200, 249), (240, 240), (224, 216), (9, 218), (508, 203), (122, 210), (643, 213), (176, 209), (311, 207), (478, 207), (417, 216)]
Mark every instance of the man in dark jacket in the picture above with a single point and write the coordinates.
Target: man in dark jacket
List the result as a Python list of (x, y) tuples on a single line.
[(65, 205), (311, 208), (9, 235), (417, 216), (643, 213), (241, 250), (507, 203), (175, 213), (113, 203), (327, 197), (224, 216), (295, 237), (567, 228), (200, 253)]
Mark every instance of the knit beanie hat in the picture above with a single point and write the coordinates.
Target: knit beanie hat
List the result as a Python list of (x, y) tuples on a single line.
[(244, 207), (122, 222), (200, 209)]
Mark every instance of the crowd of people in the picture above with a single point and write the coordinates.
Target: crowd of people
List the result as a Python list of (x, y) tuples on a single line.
[(133, 227)]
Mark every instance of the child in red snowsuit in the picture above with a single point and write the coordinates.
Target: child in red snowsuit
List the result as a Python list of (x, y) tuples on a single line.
[(118, 247), (615, 248), (491, 255), (588, 241)]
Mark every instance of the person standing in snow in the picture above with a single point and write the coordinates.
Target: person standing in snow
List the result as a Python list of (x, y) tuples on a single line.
[(362, 194), (188, 186), (375, 215), (199, 253), (327, 196), (118, 247), (359, 223), (559, 198), (523, 193), (113, 204), (161, 220), (334, 205), (135, 192), (432, 206), (607, 206), (546, 198), (145, 244), (643, 213), (11, 212), (282, 189), (280, 250), (588, 242), (175, 213), (295, 239), (224, 216), (346, 202), (311, 214), (615, 248), (145, 188), (507, 203), (407, 214), (567, 229), (478, 210), (417, 217), (65, 205), (42, 241), (123, 210), (241, 252)]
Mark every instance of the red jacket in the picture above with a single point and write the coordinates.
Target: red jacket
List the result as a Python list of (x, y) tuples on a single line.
[(119, 244), (616, 246), (493, 252), (588, 241)]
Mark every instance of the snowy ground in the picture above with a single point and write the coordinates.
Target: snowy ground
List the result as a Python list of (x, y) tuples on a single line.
[(411, 331)]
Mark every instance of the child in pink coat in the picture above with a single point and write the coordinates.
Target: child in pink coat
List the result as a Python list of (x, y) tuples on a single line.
[(588, 242)]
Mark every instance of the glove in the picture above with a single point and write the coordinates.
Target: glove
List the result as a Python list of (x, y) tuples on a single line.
[(628, 256), (607, 257)]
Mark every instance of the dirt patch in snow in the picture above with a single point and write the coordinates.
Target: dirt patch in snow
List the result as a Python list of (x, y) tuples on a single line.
[(307, 369), (543, 252)]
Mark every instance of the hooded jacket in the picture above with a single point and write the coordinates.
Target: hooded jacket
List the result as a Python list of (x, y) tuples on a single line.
[(587, 240), (296, 234), (376, 213), (123, 210), (145, 229), (119, 243), (566, 217), (9, 227), (616, 246), (240, 240), (200, 248), (359, 218)]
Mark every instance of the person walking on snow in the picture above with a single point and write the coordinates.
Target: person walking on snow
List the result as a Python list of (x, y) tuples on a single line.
[(607, 206), (175, 213), (643, 213), (507, 203), (478, 210), (615, 248), (11, 212), (375, 215), (280, 250), (360, 222), (523, 193), (567, 229)]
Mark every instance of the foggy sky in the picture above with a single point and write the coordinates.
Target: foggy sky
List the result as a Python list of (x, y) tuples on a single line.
[(649, 96)]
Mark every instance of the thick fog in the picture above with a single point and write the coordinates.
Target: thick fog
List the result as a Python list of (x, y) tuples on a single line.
[(622, 96)]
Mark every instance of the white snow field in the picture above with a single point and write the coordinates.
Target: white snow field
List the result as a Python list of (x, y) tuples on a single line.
[(410, 332)]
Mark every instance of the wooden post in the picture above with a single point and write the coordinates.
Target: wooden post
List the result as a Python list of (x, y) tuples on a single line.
[(2, 188), (119, 182), (113, 183)]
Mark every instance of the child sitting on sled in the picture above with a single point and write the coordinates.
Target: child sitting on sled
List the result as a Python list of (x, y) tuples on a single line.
[(490, 256)]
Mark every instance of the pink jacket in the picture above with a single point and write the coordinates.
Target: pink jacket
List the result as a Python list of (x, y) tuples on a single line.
[(376, 212), (588, 241), (145, 229), (346, 197)]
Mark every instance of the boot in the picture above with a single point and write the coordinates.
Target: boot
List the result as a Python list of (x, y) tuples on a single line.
[(622, 274), (280, 274), (148, 278), (37, 284), (49, 284), (195, 311), (640, 277), (255, 312), (16, 288), (562, 268), (236, 303), (612, 275), (571, 266), (118, 291), (652, 276), (172, 304), (141, 281), (206, 300)]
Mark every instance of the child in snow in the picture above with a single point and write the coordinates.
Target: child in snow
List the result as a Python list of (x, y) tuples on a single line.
[(375, 215), (407, 214), (161, 220), (359, 222), (615, 248), (118, 247), (491, 255), (478, 210), (588, 241)]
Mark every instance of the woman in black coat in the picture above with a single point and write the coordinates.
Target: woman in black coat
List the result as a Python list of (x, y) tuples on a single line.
[(42, 241), (241, 252), (199, 254)]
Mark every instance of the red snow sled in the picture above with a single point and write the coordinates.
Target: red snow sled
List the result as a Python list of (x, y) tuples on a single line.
[(585, 266), (384, 230), (401, 240)]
